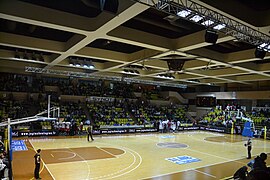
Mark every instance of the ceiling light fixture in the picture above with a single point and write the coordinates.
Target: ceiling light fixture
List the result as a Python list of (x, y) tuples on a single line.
[(184, 13), (71, 63), (196, 12), (77, 64), (81, 63), (207, 22), (196, 18), (104, 77), (265, 47), (166, 76), (91, 65), (131, 71), (219, 26)]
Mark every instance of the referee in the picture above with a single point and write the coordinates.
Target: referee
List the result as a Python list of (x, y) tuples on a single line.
[(89, 132), (249, 147)]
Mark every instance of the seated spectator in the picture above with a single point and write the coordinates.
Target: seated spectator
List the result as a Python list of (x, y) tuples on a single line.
[(241, 174), (3, 167), (258, 175), (259, 162), (2, 147)]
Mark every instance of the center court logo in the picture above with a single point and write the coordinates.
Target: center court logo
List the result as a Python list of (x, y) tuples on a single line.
[(183, 159)]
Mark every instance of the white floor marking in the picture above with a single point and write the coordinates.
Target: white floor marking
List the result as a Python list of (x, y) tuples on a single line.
[(204, 173)]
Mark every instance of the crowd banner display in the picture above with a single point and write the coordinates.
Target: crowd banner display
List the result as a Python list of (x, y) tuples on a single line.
[(34, 133), (99, 99)]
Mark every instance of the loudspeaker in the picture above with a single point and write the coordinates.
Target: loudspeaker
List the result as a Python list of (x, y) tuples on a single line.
[(259, 53), (211, 36), (175, 64), (109, 5)]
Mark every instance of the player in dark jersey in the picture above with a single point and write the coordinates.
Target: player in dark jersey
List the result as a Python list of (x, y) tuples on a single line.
[(37, 164)]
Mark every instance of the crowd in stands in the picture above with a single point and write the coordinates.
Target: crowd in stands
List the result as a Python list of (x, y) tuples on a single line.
[(14, 109), (110, 113), (118, 112), (19, 83), (4, 162), (122, 109), (65, 86), (219, 117), (228, 116)]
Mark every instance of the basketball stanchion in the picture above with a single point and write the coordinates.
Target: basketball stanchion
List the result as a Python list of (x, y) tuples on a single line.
[(232, 129), (265, 131)]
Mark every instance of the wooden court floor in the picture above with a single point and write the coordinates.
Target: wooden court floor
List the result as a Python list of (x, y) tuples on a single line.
[(186, 155)]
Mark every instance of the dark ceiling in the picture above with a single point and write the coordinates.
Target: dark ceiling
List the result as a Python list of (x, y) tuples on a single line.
[(34, 31), (253, 12), (86, 8), (114, 46)]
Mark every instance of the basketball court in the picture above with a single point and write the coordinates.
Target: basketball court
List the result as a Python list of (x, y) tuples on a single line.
[(185, 155)]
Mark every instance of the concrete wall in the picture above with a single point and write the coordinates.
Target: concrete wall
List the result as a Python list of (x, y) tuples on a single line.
[(160, 103), (201, 111)]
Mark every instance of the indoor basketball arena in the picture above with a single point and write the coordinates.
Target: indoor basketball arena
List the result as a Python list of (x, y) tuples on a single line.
[(134, 89)]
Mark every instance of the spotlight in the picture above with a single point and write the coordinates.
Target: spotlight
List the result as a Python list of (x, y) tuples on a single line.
[(184, 13), (77, 63), (71, 63), (91, 65), (85, 64), (219, 26), (196, 18), (265, 47), (207, 22), (211, 36), (260, 53)]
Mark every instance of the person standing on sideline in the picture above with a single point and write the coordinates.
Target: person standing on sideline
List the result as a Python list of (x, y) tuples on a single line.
[(37, 164), (89, 132), (249, 147)]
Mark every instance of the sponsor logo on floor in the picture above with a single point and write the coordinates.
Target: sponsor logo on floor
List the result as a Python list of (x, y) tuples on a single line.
[(167, 136), (18, 145), (183, 159)]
